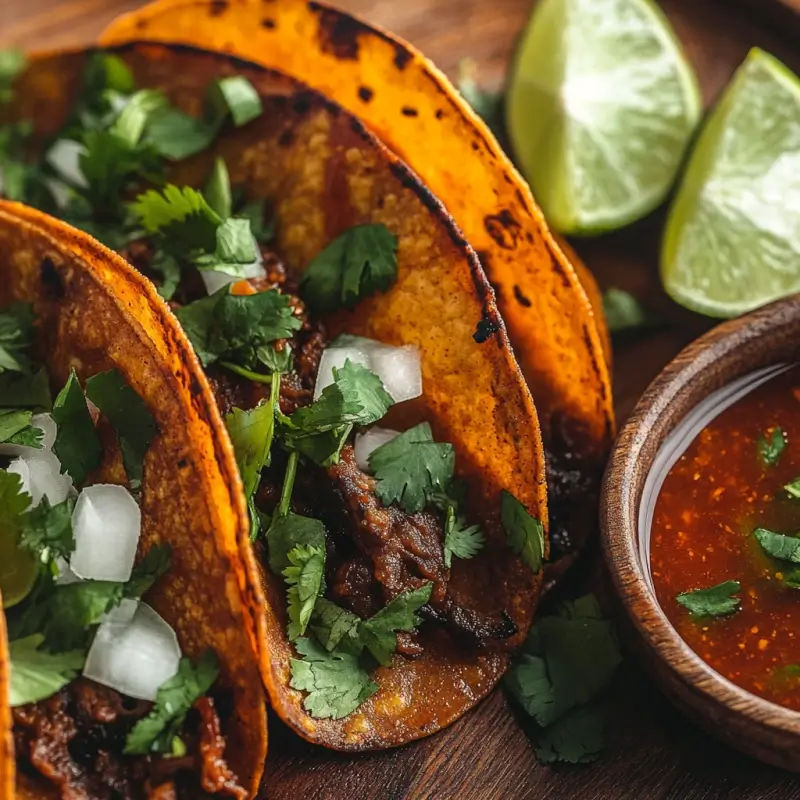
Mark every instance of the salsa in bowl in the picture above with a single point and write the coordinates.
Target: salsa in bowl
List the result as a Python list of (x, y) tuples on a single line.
[(699, 518)]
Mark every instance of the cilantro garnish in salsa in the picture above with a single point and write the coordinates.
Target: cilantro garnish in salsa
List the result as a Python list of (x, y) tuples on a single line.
[(725, 551), (361, 523)]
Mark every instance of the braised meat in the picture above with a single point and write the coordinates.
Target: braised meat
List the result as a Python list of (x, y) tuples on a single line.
[(75, 741)]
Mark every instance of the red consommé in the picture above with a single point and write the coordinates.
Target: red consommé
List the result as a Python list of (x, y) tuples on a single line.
[(711, 501)]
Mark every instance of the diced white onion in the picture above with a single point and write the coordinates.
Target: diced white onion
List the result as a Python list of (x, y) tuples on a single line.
[(62, 194), (41, 475), (65, 574), (64, 158), (336, 357), (107, 523), (133, 653), (398, 368), (215, 280), (370, 440), (44, 422)]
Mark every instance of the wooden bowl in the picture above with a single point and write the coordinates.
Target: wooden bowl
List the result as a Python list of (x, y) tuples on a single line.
[(734, 349)]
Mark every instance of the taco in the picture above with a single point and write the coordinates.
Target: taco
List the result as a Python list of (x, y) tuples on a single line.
[(387, 441), (126, 639), (548, 300)]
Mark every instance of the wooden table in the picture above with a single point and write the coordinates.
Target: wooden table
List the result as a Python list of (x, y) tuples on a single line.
[(655, 753)]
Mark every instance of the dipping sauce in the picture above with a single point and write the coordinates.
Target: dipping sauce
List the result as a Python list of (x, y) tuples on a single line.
[(726, 485)]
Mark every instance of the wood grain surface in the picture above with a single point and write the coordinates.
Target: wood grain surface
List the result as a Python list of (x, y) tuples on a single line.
[(655, 753)]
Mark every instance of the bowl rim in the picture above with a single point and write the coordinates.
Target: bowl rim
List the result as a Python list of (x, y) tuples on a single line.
[(731, 349)]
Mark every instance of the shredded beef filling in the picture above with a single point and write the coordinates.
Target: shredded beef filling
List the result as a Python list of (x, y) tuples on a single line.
[(75, 741)]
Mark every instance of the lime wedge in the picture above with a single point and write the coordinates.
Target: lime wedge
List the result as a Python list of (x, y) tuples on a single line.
[(18, 570), (732, 241), (600, 108)]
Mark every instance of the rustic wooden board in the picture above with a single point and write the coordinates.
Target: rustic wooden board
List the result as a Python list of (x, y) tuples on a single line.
[(655, 753)]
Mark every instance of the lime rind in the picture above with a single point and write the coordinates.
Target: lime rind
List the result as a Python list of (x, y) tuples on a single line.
[(601, 107), (732, 241)]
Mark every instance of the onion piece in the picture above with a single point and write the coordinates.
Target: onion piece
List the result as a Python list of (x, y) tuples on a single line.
[(370, 440), (214, 280), (134, 651), (65, 574), (107, 523), (45, 423), (398, 368), (41, 475), (64, 157)]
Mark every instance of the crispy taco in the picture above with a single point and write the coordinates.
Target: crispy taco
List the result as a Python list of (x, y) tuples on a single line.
[(547, 298), (127, 662), (387, 441)]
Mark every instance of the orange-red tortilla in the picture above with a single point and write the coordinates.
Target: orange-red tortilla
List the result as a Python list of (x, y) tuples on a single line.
[(322, 172), (558, 333), (95, 312), (7, 761)]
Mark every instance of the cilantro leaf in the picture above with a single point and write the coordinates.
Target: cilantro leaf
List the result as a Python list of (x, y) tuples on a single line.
[(715, 601), (336, 683), (129, 415), (625, 313), (48, 527), (234, 328), (460, 539), (412, 467), (156, 732), (166, 265), (12, 62), (235, 249), (25, 391), (77, 444), (579, 737), (305, 581), (524, 533), (262, 228), (771, 447), (378, 632), (175, 135), (16, 428), (356, 397), (16, 338), (785, 548), (130, 124), (360, 262), (793, 488), (217, 190), (155, 563), (181, 216), (569, 658), (288, 532), (14, 502), (333, 624), (239, 99), (37, 674)]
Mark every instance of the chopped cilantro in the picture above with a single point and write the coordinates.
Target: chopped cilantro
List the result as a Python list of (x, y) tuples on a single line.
[(568, 659), (48, 528), (360, 262), (251, 434), (37, 674), (235, 249), (240, 99), (460, 539), (579, 737), (12, 62), (305, 581), (167, 266), (714, 601), (155, 563), (524, 533), (156, 733), (289, 531), (793, 488), (16, 428), (129, 415), (378, 632), (785, 548), (771, 447), (487, 105), (16, 338), (77, 445), (336, 683), (14, 502), (412, 467), (333, 624), (217, 190), (263, 229), (624, 313), (235, 328), (175, 135), (25, 391)]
